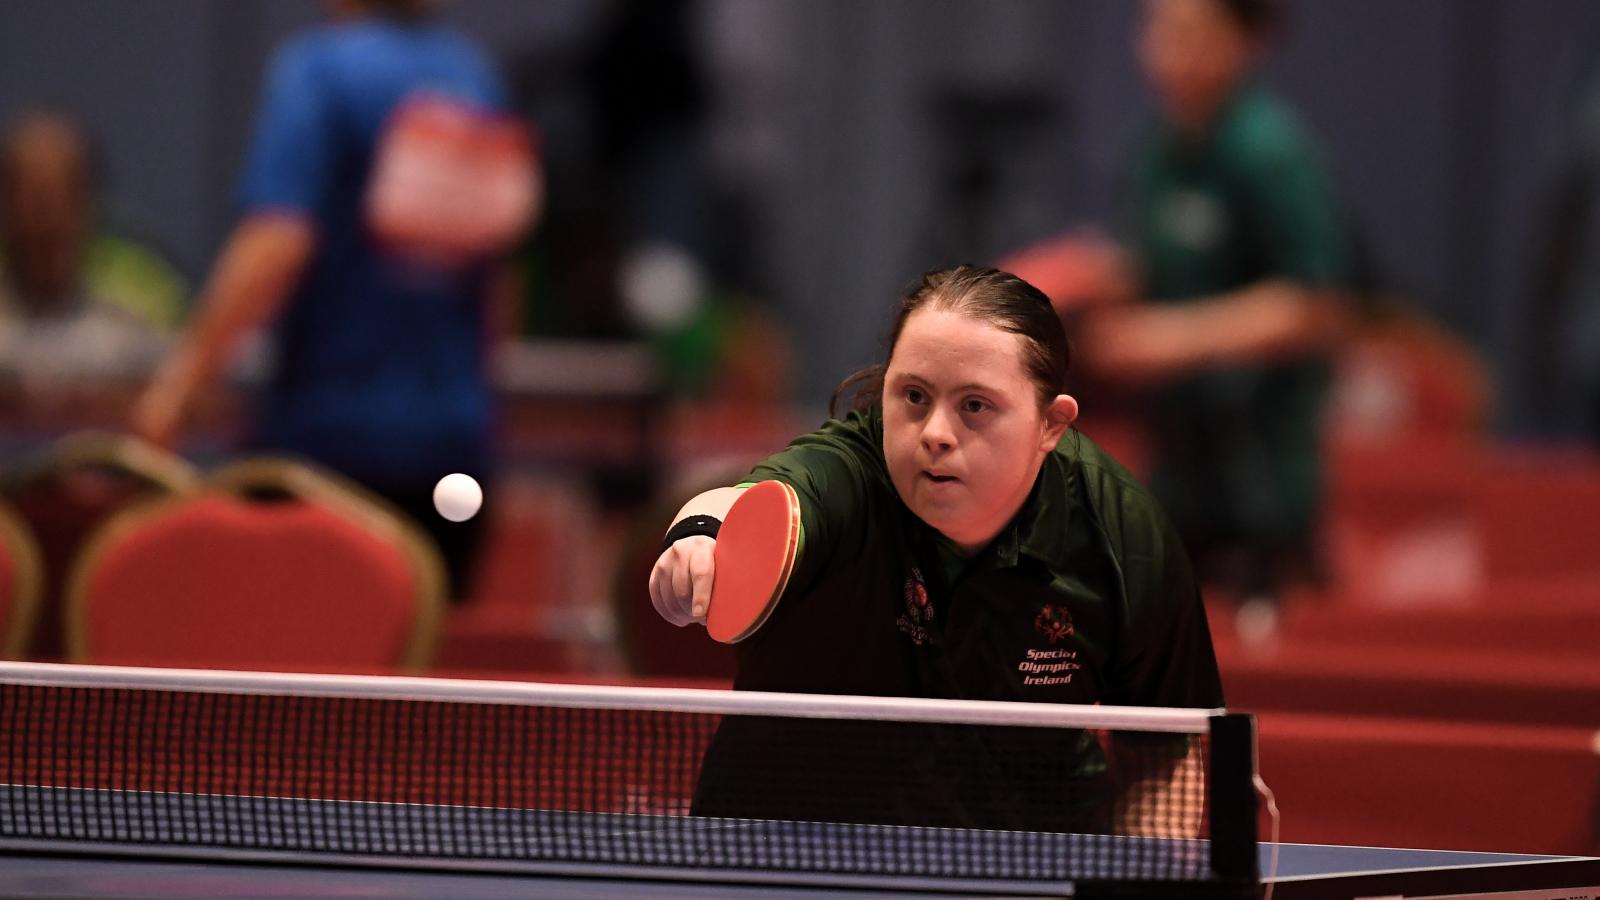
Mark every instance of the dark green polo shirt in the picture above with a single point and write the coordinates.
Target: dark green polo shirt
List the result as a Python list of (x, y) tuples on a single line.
[(1251, 199), (1086, 597)]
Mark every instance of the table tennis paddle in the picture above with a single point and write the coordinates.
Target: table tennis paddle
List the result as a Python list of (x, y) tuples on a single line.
[(755, 553)]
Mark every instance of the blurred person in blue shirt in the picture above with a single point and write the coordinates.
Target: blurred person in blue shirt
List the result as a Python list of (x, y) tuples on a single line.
[(382, 190)]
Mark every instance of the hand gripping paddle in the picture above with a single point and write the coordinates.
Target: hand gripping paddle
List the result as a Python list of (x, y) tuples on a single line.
[(755, 552)]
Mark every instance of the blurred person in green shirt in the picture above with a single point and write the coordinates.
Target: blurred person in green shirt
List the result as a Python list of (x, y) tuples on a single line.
[(1238, 250)]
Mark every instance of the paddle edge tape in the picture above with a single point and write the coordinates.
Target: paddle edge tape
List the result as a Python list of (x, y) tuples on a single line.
[(791, 552)]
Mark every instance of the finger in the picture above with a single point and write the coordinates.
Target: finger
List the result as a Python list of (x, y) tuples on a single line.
[(655, 591), (702, 572), (678, 569)]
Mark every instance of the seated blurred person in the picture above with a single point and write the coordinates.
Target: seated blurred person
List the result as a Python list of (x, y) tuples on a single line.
[(381, 192), (77, 306), (1237, 247)]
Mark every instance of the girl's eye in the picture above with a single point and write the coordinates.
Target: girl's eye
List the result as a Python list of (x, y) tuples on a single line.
[(915, 395), (973, 405)]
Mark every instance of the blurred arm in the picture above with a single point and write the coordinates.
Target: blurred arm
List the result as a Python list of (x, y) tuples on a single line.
[(1268, 321), (1078, 270), (254, 275)]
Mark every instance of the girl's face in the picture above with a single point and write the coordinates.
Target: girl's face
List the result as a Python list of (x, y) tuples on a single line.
[(1193, 52), (963, 431)]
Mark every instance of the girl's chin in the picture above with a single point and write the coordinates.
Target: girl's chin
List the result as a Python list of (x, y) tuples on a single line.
[(940, 516)]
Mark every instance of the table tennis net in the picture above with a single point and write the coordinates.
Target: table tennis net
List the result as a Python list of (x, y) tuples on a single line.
[(537, 775)]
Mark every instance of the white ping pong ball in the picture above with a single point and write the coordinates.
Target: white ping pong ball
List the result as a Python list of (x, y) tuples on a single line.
[(457, 497)]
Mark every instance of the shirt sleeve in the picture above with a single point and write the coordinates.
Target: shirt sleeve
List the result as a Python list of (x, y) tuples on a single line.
[(829, 470), (292, 154), (1166, 657)]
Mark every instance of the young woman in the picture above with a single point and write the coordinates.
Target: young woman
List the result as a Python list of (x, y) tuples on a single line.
[(958, 540)]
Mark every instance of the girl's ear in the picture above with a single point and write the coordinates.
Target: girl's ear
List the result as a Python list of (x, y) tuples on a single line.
[(1058, 417)]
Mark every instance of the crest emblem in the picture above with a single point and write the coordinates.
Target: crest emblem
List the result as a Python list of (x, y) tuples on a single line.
[(1054, 622), (918, 614)]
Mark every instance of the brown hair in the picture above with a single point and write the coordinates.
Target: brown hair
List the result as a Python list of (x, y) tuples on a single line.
[(1257, 18), (985, 295)]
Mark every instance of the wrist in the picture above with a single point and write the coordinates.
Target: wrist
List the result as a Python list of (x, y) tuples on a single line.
[(690, 526)]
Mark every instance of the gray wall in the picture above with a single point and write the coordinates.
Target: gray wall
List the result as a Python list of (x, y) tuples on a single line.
[(1439, 114)]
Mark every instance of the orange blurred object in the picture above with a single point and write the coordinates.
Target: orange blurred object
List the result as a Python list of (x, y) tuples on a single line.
[(1076, 270)]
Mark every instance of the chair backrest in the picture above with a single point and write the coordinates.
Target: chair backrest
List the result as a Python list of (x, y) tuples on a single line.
[(270, 477), (315, 577), (71, 489), (19, 585), (125, 456)]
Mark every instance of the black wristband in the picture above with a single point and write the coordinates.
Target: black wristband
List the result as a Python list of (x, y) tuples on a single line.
[(689, 526)]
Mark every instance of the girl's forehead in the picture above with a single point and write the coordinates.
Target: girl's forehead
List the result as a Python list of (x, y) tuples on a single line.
[(942, 345), (955, 330)]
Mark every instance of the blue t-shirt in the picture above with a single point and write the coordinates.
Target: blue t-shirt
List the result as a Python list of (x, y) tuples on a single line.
[(380, 363)]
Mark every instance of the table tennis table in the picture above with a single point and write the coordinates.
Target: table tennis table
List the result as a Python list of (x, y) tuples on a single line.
[(120, 865), (1305, 872), (119, 783)]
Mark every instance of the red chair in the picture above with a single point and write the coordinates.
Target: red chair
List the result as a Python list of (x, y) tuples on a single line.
[(73, 488), (1481, 683), (19, 585), (1404, 379), (1413, 782), (274, 566)]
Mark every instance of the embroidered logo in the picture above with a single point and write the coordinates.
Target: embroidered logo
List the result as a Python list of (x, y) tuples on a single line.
[(1054, 622), (918, 613)]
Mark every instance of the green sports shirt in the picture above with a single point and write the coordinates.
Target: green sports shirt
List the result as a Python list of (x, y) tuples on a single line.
[(1085, 597)]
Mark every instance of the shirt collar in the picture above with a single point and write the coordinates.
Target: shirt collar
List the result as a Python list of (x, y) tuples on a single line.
[(1040, 528)]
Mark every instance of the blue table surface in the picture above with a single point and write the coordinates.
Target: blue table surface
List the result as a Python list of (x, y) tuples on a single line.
[(59, 875), (126, 844)]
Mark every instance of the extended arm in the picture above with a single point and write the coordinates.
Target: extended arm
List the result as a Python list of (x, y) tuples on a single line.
[(254, 276), (680, 583)]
